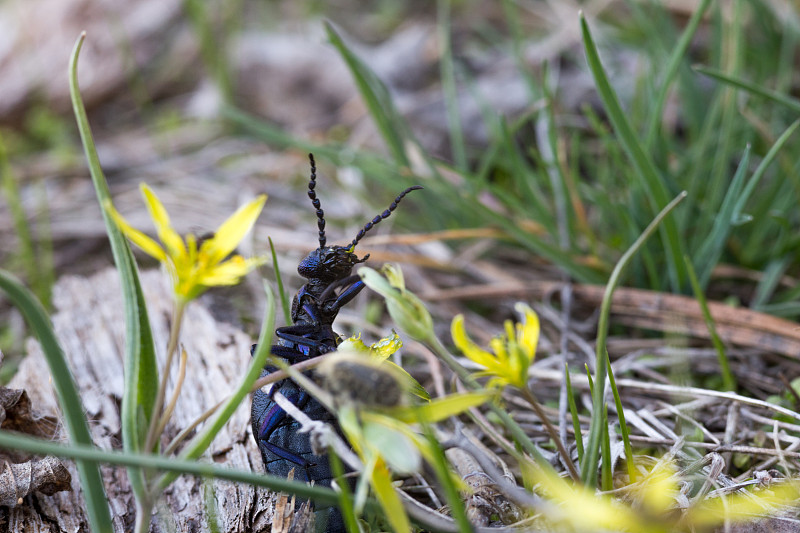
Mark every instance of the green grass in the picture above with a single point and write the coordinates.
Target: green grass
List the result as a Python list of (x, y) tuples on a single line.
[(625, 162), (709, 111)]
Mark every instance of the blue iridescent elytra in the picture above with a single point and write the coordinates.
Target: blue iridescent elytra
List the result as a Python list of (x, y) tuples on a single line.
[(330, 286)]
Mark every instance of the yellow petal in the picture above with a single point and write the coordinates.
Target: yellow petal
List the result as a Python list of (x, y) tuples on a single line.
[(499, 346), (148, 245), (233, 230), (585, 510), (659, 488), (528, 331), (229, 272), (440, 408), (471, 350), (385, 347), (381, 481), (354, 344), (168, 236)]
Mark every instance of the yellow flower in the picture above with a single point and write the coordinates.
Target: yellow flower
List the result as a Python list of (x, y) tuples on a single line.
[(193, 268), (380, 351), (386, 442), (513, 352)]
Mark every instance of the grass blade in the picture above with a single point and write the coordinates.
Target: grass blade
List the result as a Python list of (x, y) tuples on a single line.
[(606, 475), (588, 467), (623, 426), (752, 88), (346, 504), (202, 440), (389, 122), (287, 315), (141, 371), (728, 379), (672, 69), (710, 251), (447, 70), (68, 398), (442, 468), (762, 168), (651, 181), (573, 411), (93, 455)]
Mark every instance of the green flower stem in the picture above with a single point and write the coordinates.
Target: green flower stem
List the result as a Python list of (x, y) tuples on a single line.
[(537, 407), (433, 342), (175, 393), (157, 419), (202, 440)]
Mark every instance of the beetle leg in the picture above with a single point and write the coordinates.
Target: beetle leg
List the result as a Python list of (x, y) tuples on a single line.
[(351, 291), (275, 418), (321, 346)]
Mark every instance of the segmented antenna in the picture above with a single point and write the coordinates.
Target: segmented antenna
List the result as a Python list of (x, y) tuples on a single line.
[(312, 183), (368, 226)]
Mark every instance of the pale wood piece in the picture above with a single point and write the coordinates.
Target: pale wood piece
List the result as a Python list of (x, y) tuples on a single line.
[(90, 325)]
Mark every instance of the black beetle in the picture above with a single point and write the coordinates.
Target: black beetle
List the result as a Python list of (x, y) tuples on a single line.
[(330, 286)]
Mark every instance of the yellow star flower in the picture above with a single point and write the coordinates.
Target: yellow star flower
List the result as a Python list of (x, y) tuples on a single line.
[(513, 352), (194, 268)]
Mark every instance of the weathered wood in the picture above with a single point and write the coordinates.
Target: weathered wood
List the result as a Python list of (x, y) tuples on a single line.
[(90, 325)]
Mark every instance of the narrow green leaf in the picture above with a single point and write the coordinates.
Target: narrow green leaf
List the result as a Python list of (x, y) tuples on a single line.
[(92, 455), (652, 182), (573, 411), (210, 506), (441, 408), (445, 477), (26, 251), (753, 88), (623, 426), (68, 398), (707, 256), (771, 277), (379, 103), (606, 475), (728, 378), (447, 72), (672, 69), (761, 169), (346, 504), (412, 385), (287, 315), (388, 498), (141, 370), (588, 466)]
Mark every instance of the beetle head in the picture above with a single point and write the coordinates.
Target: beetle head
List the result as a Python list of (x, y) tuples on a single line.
[(329, 263), (332, 263)]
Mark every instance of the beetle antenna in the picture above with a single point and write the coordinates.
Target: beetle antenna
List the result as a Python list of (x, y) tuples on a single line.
[(312, 183), (369, 225)]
